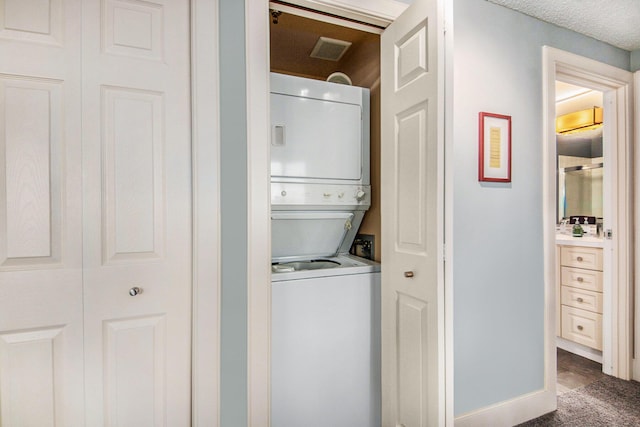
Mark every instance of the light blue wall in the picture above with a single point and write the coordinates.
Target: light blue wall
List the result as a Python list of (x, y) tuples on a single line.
[(498, 268), (233, 215), (635, 60), (498, 249)]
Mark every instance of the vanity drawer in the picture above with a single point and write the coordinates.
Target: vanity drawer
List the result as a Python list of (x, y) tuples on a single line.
[(580, 298), (581, 326), (583, 279), (581, 257)]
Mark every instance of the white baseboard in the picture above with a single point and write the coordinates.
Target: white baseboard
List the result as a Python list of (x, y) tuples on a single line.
[(511, 412), (579, 349)]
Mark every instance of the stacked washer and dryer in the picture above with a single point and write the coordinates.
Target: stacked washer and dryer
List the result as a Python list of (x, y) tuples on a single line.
[(325, 334)]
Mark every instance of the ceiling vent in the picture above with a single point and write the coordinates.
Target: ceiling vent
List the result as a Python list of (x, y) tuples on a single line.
[(329, 49)]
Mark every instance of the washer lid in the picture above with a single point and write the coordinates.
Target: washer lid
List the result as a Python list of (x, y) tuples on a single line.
[(308, 234)]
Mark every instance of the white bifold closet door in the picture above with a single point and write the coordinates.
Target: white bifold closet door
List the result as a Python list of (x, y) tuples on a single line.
[(95, 213), (412, 302)]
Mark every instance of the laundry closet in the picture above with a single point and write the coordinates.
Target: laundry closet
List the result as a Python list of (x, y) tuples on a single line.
[(325, 332)]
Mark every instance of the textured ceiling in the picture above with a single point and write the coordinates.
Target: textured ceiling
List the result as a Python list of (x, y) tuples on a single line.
[(616, 22)]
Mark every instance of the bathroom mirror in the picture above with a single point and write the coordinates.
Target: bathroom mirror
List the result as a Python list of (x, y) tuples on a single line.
[(580, 173)]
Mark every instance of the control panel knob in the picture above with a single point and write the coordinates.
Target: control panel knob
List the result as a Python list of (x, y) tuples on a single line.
[(360, 195)]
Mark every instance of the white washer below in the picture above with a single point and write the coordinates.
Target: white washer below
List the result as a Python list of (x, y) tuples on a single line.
[(325, 345)]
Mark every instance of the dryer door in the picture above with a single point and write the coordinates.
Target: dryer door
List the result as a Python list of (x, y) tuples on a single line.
[(315, 139)]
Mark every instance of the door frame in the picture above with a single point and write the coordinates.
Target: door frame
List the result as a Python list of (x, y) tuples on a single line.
[(205, 150), (259, 232), (617, 85), (636, 247)]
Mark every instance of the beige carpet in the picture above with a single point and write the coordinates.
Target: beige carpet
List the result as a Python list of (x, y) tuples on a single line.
[(609, 402)]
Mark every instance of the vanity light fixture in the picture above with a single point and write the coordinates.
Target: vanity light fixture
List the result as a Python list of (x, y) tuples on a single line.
[(579, 121)]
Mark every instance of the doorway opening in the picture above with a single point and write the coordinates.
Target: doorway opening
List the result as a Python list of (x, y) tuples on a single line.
[(325, 86), (408, 28), (581, 188), (588, 277)]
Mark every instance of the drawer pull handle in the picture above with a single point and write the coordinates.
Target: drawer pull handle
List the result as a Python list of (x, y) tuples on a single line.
[(580, 327), (579, 259), (408, 274), (579, 299), (580, 279)]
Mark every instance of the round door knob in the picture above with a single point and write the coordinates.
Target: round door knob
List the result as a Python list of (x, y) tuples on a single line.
[(580, 279), (579, 258), (408, 274), (580, 299), (360, 195), (580, 327), (135, 291)]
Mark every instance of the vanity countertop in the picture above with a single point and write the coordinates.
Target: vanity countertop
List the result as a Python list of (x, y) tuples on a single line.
[(590, 241)]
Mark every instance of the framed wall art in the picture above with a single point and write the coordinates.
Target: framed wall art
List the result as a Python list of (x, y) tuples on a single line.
[(494, 154)]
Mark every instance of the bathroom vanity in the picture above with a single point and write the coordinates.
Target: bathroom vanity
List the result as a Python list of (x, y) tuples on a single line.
[(579, 291)]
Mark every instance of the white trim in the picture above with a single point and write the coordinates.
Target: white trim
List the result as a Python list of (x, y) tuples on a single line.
[(510, 412), (616, 84), (636, 119), (623, 328), (258, 203), (205, 204), (325, 18), (376, 12), (449, 168), (579, 349)]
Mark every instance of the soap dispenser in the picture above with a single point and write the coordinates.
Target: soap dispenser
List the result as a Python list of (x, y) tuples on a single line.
[(585, 226), (578, 231)]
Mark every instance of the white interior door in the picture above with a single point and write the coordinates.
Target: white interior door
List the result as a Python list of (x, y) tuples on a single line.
[(137, 227), (40, 214), (411, 310)]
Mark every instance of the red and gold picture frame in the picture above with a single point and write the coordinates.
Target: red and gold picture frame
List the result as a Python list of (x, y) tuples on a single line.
[(494, 154)]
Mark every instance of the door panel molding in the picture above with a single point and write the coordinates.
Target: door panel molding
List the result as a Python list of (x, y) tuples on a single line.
[(31, 368), (133, 147), (31, 172)]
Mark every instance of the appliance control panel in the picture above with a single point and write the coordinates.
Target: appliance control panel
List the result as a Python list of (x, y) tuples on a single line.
[(297, 194)]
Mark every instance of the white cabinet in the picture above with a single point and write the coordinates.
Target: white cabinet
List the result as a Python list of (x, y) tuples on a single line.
[(581, 295)]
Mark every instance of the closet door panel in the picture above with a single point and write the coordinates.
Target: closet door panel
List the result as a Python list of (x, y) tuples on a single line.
[(41, 341), (137, 212)]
